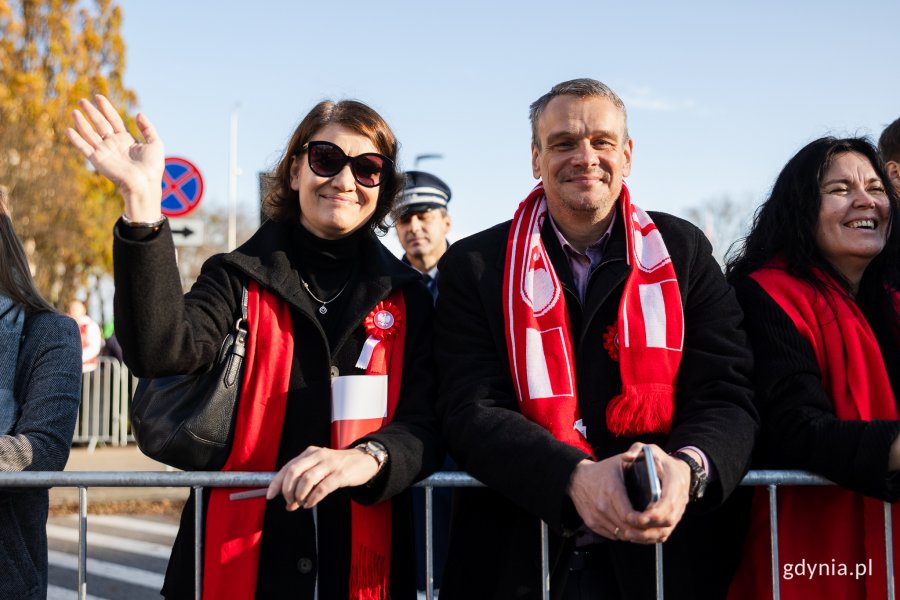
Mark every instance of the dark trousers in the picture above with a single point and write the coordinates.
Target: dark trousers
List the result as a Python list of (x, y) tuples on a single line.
[(590, 572)]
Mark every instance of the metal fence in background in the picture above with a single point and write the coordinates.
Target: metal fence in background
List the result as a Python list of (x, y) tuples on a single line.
[(198, 481), (105, 397)]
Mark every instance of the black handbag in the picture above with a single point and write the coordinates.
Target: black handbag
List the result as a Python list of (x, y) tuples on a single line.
[(187, 421)]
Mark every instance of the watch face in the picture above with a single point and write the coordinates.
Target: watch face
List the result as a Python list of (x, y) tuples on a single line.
[(377, 451), (698, 476)]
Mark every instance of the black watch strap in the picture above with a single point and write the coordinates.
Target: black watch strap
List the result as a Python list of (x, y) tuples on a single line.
[(699, 478)]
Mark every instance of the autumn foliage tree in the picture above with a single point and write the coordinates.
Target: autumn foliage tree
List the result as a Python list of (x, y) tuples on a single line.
[(53, 52)]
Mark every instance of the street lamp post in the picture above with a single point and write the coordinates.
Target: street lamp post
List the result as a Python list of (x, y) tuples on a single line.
[(421, 157)]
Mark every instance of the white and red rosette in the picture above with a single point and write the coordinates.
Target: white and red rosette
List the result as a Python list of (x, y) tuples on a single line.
[(382, 323)]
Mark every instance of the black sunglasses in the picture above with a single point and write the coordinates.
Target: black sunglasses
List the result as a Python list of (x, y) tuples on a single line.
[(327, 160)]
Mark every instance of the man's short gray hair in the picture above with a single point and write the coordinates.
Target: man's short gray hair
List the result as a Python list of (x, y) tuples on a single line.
[(582, 88)]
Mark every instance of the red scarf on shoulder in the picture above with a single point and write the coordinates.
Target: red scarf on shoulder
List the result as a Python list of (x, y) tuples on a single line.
[(234, 529), (829, 526), (539, 335)]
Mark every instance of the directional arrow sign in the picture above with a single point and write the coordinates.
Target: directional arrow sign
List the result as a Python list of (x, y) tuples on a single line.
[(187, 232)]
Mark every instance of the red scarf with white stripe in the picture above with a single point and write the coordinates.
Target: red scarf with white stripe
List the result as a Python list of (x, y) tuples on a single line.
[(234, 529), (825, 525), (539, 335)]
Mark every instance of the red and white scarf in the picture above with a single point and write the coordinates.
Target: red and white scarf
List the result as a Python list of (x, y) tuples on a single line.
[(539, 335), (825, 525), (234, 529)]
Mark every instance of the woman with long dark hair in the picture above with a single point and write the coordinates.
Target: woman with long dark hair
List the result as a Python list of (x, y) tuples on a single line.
[(817, 278), (339, 346), (40, 390)]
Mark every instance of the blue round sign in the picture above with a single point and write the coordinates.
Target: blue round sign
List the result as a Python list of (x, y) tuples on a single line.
[(182, 187)]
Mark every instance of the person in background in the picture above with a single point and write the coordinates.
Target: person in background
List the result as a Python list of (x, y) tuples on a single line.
[(338, 383), (40, 390), (111, 346), (91, 337), (817, 277), (568, 339), (422, 223), (889, 148)]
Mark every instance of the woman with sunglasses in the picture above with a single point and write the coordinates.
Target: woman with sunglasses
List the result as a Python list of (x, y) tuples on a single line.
[(339, 346)]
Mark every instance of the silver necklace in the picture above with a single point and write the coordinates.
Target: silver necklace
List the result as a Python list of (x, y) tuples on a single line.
[(322, 309)]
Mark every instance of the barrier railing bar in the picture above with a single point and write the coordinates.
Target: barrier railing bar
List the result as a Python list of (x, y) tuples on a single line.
[(429, 543), (199, 480), (453, 479)]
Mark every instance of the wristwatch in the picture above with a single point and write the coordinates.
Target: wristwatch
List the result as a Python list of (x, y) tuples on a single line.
[(376, 451), (698, 476)]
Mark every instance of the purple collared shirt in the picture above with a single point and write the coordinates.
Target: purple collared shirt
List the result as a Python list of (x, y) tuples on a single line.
[(582, 263)]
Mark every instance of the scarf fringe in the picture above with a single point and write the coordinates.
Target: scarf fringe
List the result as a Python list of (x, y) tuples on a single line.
[(641, 409), (368, 577)]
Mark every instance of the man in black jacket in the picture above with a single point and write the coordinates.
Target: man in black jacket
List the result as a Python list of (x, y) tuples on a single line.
[(551, 442), (889, 148)]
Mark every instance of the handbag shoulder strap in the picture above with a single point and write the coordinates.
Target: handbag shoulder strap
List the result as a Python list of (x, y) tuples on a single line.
[(241, 326), (237, 348)]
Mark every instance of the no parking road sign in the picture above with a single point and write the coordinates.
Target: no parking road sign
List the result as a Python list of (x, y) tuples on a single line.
[(182, 187)]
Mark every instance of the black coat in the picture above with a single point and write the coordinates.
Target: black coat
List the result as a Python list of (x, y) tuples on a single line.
[(163, 333), (496, 535), (800, 429)]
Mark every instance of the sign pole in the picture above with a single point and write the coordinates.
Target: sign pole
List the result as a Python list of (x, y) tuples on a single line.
[(232, 182)]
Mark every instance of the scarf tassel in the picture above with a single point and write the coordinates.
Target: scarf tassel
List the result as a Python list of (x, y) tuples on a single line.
[(367, 575), (641, 409)]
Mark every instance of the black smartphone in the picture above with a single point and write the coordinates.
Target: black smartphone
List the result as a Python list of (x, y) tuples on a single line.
[(642, 481)]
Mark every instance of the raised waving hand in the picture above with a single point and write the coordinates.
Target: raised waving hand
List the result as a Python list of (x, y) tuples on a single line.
[(136, 168)]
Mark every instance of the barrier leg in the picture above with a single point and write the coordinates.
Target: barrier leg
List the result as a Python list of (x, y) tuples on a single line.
[(82, 543), (889, 548), (545, 561), (773, 532), (429, 543), (659, 571), (198, 542)]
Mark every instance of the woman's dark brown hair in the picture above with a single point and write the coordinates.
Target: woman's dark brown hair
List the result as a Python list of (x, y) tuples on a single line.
[(283, 204), (15, 275)]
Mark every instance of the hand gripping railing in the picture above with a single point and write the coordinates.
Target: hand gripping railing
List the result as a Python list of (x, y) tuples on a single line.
[(197, 480)]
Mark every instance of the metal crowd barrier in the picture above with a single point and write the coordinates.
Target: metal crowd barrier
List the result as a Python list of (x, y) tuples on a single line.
[(105, 395), (199, 480)]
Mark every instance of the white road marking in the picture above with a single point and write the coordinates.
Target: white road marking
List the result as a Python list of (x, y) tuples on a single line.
[(109, 570), (54, 592), (105, 540), (129, 523)]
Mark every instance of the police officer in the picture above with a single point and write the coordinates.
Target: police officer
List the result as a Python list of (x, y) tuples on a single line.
[(422, 224)]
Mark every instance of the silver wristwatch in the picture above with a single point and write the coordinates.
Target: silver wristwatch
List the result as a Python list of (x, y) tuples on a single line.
[(376, 451)]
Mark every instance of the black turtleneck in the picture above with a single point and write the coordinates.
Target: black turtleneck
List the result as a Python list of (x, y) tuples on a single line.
[(327, 266)]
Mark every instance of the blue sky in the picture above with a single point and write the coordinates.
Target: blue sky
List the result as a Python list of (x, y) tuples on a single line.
[(719, 94)]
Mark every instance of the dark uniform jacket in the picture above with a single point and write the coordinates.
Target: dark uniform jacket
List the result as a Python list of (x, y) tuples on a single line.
[(162, 334), (495, 539)]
